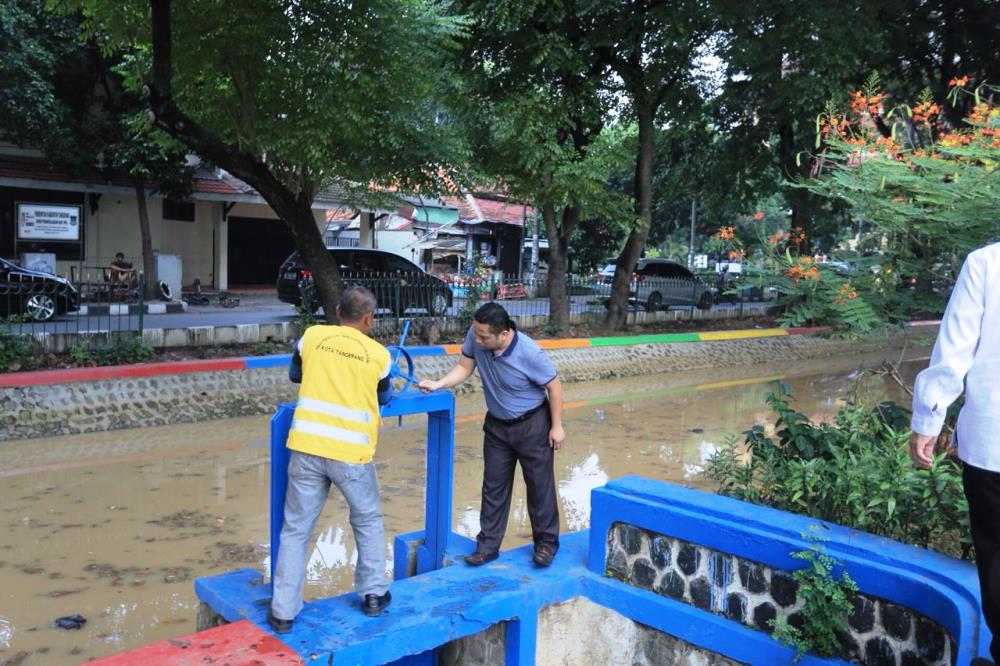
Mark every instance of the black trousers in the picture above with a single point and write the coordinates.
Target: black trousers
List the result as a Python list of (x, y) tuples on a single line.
[(982, 489), (504, 445)]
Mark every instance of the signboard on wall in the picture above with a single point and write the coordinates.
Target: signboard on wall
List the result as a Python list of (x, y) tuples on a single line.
[(48, 222)]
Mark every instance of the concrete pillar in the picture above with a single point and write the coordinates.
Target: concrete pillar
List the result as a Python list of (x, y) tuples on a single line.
[(366, 237), (221, 259)]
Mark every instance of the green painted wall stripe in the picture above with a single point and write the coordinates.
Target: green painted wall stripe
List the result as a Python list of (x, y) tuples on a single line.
[(644, 339)]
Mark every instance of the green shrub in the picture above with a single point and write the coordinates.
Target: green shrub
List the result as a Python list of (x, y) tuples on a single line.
[(17, 349), (118, 350), (855, 472)]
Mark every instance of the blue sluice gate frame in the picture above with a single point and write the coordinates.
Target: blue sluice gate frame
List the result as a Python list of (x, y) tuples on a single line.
[(451, 602), (440, 409)]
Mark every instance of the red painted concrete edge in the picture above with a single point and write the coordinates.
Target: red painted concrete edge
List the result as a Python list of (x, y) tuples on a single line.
[(119, 372), (238, 643)]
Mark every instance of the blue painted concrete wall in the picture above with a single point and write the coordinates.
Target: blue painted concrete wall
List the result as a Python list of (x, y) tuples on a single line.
[(433, 608)]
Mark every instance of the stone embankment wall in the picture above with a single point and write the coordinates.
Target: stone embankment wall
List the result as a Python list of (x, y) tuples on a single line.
[(130, 402), (881, 633)]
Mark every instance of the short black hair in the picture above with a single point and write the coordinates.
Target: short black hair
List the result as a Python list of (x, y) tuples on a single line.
[(119, 254), (355, 303), (494, 315)]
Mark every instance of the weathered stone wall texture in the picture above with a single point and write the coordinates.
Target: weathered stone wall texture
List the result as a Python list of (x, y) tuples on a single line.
[(73, 408), (580, 632), (881, 633)]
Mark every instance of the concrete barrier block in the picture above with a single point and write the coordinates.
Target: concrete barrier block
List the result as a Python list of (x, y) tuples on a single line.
[(201, 336), (247, 332), (176, 337), (226, 335), (272, 332), (153, 337)]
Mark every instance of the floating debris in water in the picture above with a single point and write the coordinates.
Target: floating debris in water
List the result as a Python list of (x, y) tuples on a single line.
[(190, 520), (70, 622), (18, 659), (55, 594), (234, 552), (177, 574)]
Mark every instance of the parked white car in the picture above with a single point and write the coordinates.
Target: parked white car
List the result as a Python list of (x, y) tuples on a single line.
[(657, 284)]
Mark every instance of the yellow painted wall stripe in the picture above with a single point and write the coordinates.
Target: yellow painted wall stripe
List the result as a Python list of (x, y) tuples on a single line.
[(740, 335)]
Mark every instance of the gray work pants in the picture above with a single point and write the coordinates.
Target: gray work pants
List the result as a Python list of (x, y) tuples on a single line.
[(309, 479)]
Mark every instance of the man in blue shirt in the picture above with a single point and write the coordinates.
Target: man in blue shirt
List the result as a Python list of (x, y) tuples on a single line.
[(523, 424)]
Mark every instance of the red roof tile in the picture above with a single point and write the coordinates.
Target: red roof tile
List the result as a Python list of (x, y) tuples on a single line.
[(491, 210)]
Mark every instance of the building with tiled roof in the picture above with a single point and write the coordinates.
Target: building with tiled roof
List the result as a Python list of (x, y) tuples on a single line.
[(225, 234)]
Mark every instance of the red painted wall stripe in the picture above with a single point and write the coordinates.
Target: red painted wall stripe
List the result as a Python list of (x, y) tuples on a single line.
[(119, 371)]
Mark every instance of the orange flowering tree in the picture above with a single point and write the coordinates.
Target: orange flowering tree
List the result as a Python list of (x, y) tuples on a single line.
[(927, 192), (811, 295), (724, 243)]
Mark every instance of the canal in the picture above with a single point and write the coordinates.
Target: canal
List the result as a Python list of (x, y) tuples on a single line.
[(116, 526)]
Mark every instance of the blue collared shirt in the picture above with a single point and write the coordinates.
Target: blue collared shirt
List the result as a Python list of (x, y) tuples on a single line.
[(513, 381)]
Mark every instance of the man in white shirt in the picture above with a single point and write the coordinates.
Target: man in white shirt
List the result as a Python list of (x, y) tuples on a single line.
[(968, 349)]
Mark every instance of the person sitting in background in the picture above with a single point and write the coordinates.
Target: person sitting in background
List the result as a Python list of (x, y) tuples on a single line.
[(121, 270)]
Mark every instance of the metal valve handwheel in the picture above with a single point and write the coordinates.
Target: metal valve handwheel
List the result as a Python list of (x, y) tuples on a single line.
[(399, 354), (401, 368)]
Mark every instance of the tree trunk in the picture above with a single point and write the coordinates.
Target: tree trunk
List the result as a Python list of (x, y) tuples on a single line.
[(294, 207), (799, 199), (311, 248), (617, 317), (558, 251), (151, 292)]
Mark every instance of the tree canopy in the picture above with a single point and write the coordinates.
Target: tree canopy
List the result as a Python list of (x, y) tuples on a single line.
[(293, 97)]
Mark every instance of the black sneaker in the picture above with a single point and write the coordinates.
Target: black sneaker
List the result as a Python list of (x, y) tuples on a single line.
[(374, 604), (279, 626)]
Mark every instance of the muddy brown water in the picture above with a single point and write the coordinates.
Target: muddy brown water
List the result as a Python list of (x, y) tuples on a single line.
[(116, 526)]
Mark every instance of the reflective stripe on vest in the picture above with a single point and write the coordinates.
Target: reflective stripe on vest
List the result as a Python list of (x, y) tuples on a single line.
[(329, 431), (333, 409)]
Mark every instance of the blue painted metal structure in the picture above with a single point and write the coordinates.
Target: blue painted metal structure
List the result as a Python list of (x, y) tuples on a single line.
[(445, 603), (433, 540)]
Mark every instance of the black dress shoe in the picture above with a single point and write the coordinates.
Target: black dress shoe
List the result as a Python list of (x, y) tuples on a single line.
[(543, 555), (479, 557), (279, 626), (374, 604)]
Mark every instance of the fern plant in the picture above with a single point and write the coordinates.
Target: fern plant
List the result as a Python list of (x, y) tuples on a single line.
[(826, 603)]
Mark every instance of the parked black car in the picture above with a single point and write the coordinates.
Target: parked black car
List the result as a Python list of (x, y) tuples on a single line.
[(398, 284), (33, 294)]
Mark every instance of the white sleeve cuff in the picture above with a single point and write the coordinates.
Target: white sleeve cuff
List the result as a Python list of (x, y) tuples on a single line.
[(928, 424)]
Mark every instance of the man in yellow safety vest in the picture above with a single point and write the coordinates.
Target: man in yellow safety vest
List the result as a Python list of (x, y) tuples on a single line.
[(344, 376)]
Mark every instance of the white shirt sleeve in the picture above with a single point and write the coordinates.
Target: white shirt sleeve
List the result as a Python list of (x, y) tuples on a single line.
[(943, 380)]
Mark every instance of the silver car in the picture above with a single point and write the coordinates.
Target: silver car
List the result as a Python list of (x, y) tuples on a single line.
[(659, 283)]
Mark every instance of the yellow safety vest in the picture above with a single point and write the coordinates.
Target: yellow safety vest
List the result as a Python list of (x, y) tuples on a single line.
[(337, 414)]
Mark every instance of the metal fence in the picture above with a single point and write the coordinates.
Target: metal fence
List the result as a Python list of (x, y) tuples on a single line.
[(97, 309), (449, 302)]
